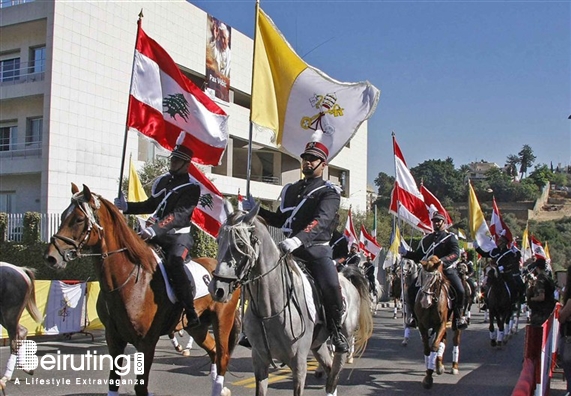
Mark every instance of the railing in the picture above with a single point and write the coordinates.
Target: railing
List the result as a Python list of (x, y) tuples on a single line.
[(49, 224), (19, 150)]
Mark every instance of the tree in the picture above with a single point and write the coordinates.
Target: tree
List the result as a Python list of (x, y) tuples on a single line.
[(511, 165), (440, 177), (526, 159), (385, 184)]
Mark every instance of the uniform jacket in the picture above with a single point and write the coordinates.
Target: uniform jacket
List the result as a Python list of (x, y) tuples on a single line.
[(442, 244), (313, 221), (353, 259), (174, 213), (507, 258)]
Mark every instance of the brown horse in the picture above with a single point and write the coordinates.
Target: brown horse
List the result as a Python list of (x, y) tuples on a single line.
[(133, 303), (17, 292), (432, 312)]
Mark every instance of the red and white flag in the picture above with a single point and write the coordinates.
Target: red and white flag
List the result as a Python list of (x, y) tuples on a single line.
[(406, 200), (368, 244), (498, 227), (537, 248), (433, 205), (163, 102), (209, 214), (349, 231), (240, 200)]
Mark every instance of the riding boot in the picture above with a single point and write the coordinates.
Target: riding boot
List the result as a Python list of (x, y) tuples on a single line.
[(334, 326), (184, 291), (461, 322)]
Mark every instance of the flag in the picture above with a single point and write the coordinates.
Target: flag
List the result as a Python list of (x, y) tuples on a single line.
[(547, 255), (293, 99), (240, 199), (525, 246), (478, 227), (498, 227), (368, 244), (135, 192), (209, 214), (461, 234), (349, 231), (375, 224), (163, 101), (433, 205), (537, 248), (393, 254), (407, 202)]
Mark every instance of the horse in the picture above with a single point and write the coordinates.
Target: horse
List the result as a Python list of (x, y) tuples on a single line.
[(133, 303), (279, 322), (469, 290), (499, 306), (17, 292), (395, 291), (433, 312), (409, 289), (184, 351)]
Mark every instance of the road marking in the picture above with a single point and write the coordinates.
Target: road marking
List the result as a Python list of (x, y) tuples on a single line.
[(280, 375)]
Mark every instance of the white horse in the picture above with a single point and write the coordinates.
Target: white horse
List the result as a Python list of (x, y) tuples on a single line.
[(279, 322)]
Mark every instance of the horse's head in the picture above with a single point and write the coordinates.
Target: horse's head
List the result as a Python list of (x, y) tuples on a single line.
[(238, 250), (79, 228), (432, 264)]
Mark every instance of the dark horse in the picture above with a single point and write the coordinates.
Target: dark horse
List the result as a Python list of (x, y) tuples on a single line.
[(395, 291), (499, 306), (17, 292), (133, 303), (432, 311)]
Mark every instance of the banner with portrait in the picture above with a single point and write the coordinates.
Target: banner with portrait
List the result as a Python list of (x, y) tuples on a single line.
[(218, 58)]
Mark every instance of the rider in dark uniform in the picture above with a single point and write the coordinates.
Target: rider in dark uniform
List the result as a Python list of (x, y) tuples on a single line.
[(173, 199), (369, 270), (307, 215), (466, 269), (444, 245), (339, 245), (354, 258), (507, 260)]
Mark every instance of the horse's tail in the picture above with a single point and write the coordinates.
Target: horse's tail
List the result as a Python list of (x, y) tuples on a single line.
[(31, 306), (365, 328)]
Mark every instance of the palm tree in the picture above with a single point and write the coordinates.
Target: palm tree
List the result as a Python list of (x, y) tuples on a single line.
[(512, 161), (526, 159)]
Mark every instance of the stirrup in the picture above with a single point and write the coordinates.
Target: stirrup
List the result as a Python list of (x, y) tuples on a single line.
[(243, 340), (461, 323), (339, 342)]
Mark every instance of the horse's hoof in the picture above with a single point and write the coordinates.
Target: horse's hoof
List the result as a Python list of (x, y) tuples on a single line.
[(404, 342), (439, 368), (493, 343), (186, 353), (178, 348), (350, 360), (181, 333), (427, 382), (455, 371), (226, 392)]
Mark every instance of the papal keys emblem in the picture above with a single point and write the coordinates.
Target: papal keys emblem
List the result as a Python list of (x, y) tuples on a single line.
[(326, 104)]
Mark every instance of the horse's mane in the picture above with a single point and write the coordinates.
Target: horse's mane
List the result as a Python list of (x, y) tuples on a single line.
[(137, 250)]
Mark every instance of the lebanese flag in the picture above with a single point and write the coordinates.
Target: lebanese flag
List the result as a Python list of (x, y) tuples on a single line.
[(433, 205), (209, 214), (498, 227), (407, 202), (368, 244), (349, 231), (163, 102), (537, 248), (240, 200)]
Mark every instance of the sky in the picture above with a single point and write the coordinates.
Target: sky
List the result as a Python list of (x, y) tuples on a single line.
[(470, 80)]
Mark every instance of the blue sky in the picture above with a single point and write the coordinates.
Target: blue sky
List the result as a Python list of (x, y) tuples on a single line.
[(469, 80)]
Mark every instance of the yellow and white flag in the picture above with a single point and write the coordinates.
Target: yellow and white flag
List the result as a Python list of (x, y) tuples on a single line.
[(135, 192), (295, 100), (526, 253), (478, 227)]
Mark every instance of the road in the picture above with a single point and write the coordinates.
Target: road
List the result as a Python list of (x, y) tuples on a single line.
[(386, 367)]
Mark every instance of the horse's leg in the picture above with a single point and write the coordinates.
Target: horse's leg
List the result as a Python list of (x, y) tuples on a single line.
[(298, 367), (188, 347), (15, 337), (148, 350), (427, 381), (224, 333), (406, 336), (174, 341), (323, 356), (206, 342), (351, 350), (395, 309), (261, 373), (493, 335), (456, 351), (116, 346), (440, 357)]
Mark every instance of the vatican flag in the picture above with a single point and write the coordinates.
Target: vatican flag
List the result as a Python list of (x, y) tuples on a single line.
[(478, 227)]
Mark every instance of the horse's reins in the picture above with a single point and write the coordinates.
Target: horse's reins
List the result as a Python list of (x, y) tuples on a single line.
[(75, 253)]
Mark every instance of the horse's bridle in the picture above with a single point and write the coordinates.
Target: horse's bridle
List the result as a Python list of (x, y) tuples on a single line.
[(71, 254)]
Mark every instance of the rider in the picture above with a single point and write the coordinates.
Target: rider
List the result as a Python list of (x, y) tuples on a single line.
[(444, 245), (173, 199), (339, 245), (306, 216), (466, 269), (541, 298), (369, 270), (507, 261), (354, 258)]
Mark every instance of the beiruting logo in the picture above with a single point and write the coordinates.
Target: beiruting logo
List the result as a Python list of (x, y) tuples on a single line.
[(89, 361)]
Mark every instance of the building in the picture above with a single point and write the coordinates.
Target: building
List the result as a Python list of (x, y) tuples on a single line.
[(478, 170), (65, 70)]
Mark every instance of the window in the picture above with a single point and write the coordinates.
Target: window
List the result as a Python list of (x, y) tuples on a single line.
[(38, 60), (34, 130), (10, 69), (8, 137), (7, 200)]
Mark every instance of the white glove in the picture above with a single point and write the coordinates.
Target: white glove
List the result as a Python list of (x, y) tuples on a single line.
[(248, 203), (501, 268), (121, 203), (290, 244), (148, 233), (402, 250)]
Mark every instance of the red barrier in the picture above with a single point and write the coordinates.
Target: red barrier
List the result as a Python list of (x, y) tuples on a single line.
[(526, 383)]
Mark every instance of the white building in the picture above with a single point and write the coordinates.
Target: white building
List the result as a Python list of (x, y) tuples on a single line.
[(65, 70)]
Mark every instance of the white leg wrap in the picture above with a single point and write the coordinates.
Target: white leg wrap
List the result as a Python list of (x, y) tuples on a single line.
[(213, 373), (190, 343), (174, 342), (432, 361), (441, 349), (493, 335), (10, 366), (426, 361), (407, 332), (113, 393), (455, 354), (217, 385), (500, 336)]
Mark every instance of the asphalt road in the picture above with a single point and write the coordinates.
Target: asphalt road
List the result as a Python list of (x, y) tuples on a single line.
[(386, 367)]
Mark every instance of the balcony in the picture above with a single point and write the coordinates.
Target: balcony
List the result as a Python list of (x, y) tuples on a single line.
[(24, 81), (21, 158)]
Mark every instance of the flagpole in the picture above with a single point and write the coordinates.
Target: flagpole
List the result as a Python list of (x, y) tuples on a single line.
[(139, 22)]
